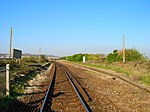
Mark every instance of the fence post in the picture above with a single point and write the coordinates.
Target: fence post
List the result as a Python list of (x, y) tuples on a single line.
[(7, 79)]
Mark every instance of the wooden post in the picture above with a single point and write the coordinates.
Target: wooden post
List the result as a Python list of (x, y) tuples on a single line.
[(40, 55), (7, 79), (123, 49), (10, 43)]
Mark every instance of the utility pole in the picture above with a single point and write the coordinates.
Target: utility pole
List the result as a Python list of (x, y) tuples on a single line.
[(10, 45), (85, 52), (40, 54), (123, 49)]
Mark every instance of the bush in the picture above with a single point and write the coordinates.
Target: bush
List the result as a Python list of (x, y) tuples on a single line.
[(79, 57), (14, 64), (76, 57), (3, 62), (130, 54), (134, 55), (92, 57), (30, 59), (113, 57)]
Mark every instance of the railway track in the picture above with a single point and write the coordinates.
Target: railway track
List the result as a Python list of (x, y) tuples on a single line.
[(64, 93)]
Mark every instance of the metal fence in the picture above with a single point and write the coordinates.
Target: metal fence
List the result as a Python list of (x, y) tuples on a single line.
[(2, 81)]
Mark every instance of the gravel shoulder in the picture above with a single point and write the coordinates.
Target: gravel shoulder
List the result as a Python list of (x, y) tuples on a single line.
[(35, 91), (110, 93)]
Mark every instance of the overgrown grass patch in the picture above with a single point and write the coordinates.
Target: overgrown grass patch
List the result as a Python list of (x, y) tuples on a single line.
[(21, 81), (20, 73), (145, 79), (137, 71), (109, 67), (136, 66)]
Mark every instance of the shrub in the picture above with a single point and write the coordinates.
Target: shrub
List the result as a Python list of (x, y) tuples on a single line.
[(130, 54), (134, 55), (112, 57), (3, 62), (79, 57), (92, 57), (30, 59), (75, 57)]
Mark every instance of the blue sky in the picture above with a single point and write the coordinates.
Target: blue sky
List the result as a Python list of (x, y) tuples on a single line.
[(65, 27)]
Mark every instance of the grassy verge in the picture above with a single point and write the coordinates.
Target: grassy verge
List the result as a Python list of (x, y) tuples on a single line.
[(145, 79), (117, 69), (20, 82), (20, 73), (138, 71), (114, 68), (22, 76)]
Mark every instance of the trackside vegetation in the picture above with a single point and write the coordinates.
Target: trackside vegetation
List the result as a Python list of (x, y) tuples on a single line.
[(79, 57), (21, 71), (130, 54), (137, 66)]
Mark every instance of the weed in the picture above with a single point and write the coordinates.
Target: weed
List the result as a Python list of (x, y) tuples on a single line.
[(145, 79)]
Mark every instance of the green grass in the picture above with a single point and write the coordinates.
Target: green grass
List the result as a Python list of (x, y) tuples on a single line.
[(145, 79), (128, 69), (117, 69), (27, 67), (20, 83)]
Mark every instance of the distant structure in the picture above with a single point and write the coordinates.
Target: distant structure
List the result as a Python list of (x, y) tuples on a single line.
[(17, 54), (3, 56), (52, 57)]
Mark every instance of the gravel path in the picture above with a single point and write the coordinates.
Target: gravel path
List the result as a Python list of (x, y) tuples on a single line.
[(110, 94)]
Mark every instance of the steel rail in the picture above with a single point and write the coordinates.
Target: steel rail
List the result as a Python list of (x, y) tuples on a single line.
[(76, 90), (45, 102), (48, 91), (77, 84)]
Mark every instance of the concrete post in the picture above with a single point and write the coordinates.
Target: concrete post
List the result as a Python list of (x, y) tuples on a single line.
[(7, 79), (84, 59)]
